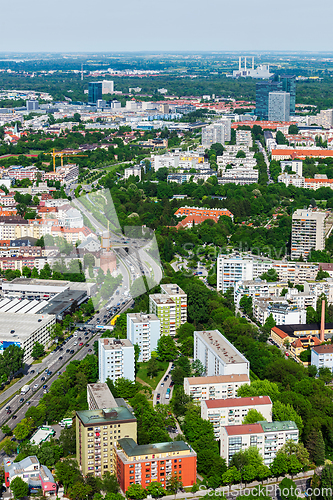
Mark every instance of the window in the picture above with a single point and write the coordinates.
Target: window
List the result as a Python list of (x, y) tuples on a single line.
[(147, 475), (162, 474), (131, 477), (106, 466)]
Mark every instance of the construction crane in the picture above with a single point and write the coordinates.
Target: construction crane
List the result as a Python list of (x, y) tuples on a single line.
[(62, 154)]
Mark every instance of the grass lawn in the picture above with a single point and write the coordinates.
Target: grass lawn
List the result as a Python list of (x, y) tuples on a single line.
[(12, 382), (142, 373), (39, 360)]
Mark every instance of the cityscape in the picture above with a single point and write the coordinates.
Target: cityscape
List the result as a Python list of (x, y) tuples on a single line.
[(166, 275)]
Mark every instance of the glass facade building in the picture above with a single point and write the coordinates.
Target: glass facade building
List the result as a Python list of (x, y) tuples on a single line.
[(262, 96), (289, 85), (94, 92)]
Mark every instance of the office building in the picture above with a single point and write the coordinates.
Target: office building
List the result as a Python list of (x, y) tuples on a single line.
[(97, 431), (32, 105), (99, 396), (279, 106), (143, 464), (38, 477), (218, 132), (218, 355), (308, 233), (322, 356), (262, 96), (107, 87), (267, 437), (222, 412), (23, 330), (95, 92), (170, 307), (133, 171), (143, 330), (289, 85), (214, 387), (115, 359)]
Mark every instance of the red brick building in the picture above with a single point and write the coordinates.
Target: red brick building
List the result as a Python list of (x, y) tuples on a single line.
[(142, 464)]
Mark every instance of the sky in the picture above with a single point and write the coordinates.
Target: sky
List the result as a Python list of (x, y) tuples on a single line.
[(170, 25)]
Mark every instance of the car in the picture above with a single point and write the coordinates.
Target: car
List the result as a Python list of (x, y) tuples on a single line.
[(59, 373), (8, 407), (162, 384), (165, 379), (75, 343), (87, 345), (14, 417), (157, 402), (81, 343), (158, 396), (60, 358), (45, 386), (68, 350), (21, 400), (42, 379), (50, 373), (89, 350), (80, 338), (75, 334), (9, 412), (28, 403), (61, 349), (31, 372), (72, 351)]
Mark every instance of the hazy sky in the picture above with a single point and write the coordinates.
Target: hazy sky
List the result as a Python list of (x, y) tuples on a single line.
[(133, 25)]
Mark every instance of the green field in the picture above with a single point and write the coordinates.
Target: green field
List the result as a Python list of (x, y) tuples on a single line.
[(142, 373)]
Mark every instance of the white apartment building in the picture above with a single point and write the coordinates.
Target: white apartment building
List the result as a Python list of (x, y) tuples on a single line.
[(218, 355), (244, 138), (283, 313), (180, 299), (296, 166), (214, 387), (143, 330), (232, 269), (222, 412), (239, 175), (107, 87), (115, 359), (218, 132), (291, 179), (134, 171), (267, 437), (258, 288), (308, 232), (322, 356)]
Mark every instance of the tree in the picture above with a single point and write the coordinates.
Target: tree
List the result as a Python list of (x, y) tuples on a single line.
[(325, 374), (155, 489), (327, 482), (180, 401), (19, 488), (9, 447), (67, 473), (174, 483), (316, 446), (279, 466), (136, 492), (6, 430), (79, 491), (24, 428), (166, 348), (232, 475), (198, 368), (152, 367), (241, 154), (253, 416), (37, 350), (110, 483), (293, 129), (269, 324), (288, 489), (67, 440), (26, 271), (270, 275)]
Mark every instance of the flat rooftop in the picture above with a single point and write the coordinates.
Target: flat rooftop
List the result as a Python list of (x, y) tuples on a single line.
[(22, 325), (162, 299), (105, 416), (113, 344), (218, 379), (284, 425), (132, 449), (291, 329), (237, 430), (38, 282), (222, 347), (142, 318), (102, 395), (172, 289)]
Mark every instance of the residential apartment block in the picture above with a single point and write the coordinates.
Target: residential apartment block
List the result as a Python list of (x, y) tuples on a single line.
[(218, 355), (222, 412), (322, 356), (214, 387), (143, 330), (142, 464), (267, 437), (170, 306), (99, 396), (97, 431), (308, 232), (115, 359)]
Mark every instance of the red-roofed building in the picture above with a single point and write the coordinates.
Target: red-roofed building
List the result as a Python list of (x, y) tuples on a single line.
[(318, 183), (291, 154), (193, 220), (232, 411)]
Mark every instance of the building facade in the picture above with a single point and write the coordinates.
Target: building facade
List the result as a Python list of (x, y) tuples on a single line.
[(262, 96), (308, 232), (322, 356), (142, 464), (218, 355), (214, 387), (143, 330), (115, 359), (279, 106)]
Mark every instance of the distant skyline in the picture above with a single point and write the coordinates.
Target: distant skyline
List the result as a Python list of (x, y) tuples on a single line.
[(176, 25)]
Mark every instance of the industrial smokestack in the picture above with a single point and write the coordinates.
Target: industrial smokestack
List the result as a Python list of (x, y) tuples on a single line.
[(240, 63), (322, 324), (245, 63), (252, 62)]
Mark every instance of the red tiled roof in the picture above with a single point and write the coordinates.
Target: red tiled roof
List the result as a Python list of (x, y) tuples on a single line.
[(279, 332), (236, 430), (225, 403)]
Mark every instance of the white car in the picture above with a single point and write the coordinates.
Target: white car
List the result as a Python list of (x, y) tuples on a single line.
[(75, 343)]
